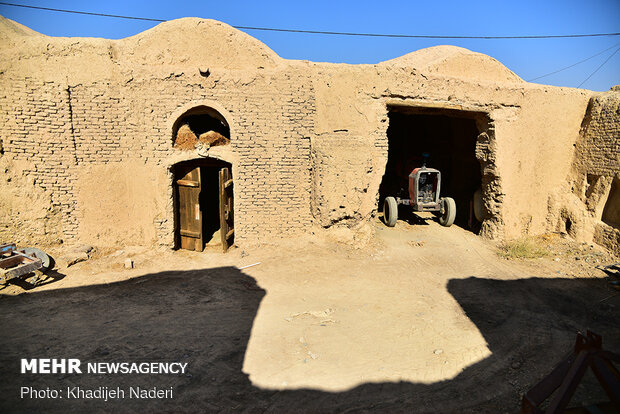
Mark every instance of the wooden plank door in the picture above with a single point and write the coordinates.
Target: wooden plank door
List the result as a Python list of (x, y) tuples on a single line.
[(227, 229), (190, 214)]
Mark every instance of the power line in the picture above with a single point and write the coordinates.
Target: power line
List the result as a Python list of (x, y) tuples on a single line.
[(574, 64), (82, 12), (271, 29), (602, 64), (427, 36)]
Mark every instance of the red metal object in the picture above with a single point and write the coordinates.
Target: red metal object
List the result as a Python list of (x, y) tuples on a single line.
[(421, 197), (424, 189), (412, 186)]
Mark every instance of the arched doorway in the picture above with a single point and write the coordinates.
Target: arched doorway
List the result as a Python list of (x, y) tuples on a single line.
[(202, 188), (203, 204)]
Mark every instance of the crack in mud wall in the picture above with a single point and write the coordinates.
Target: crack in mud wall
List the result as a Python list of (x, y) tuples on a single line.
[(71, 127)]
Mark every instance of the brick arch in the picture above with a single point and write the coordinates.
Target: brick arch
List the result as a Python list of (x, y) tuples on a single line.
[(225, 154), (209, 107)]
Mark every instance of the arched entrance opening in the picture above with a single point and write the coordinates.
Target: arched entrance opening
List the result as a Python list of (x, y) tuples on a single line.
[(202, 188), (200, 125)]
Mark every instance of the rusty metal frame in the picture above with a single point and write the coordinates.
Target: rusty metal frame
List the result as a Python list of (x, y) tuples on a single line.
[(15, 263), (565, 377)]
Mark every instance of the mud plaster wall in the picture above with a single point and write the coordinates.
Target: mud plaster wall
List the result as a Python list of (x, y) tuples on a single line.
[(535, 149), (86, 124), (595, 166), (525, 144), (101, 152), (287, 163)]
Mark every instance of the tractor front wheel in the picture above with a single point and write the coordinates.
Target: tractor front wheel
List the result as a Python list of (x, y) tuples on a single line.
[(390, 211), (448, 207)]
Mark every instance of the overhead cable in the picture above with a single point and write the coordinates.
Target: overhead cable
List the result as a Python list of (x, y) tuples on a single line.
[(272, 29)]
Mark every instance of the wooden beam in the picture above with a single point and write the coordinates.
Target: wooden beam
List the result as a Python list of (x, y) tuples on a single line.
[(23, 269), (189, 233), (188, 183), (14, 261)]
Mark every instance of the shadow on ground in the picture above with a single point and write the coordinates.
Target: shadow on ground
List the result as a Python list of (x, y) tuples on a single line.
[(406, 214), (205, 318), (29, 283)]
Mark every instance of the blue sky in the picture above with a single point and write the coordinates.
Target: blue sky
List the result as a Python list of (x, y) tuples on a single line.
[(528, 58)]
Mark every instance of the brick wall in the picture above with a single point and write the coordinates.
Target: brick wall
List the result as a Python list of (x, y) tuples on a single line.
[(599, 149), (36, 132), (57, 129), (307, 148), (597, 164)]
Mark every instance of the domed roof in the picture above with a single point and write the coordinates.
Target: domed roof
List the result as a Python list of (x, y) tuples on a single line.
[(199, 41), (455, 62), (175, 46)]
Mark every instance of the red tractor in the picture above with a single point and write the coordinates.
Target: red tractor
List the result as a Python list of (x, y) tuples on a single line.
[(424, 187)]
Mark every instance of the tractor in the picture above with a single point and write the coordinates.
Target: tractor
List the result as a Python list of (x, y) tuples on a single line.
[(424, 187)]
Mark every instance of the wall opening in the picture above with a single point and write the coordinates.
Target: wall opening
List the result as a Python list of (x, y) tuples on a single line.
[(568, 226), (449, 137), (200, 204), (200, 125), (611, 211)]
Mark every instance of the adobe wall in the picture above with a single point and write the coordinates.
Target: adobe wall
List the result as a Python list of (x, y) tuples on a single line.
[(587, 208), (525, 146), (86, 135), (102, 152)]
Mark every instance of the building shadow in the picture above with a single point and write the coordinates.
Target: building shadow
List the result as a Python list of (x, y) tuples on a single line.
[(205, 318)]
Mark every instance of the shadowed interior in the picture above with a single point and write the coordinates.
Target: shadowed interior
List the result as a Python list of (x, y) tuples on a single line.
[(449, 139), (209, 198), (202, 119)]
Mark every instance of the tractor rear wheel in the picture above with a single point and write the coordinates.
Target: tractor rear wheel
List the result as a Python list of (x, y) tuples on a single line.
[(449, 212), (390, 211)]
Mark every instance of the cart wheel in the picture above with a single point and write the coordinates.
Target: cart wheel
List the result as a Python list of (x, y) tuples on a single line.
[(46, 260), (449, 212), (390, 211)]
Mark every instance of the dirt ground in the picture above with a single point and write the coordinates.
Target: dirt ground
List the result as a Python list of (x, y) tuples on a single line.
[(423, 319)]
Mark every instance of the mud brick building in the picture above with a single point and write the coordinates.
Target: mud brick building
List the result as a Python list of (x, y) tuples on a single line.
[(89, 131)]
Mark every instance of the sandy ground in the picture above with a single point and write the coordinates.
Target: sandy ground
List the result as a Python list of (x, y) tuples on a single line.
[(423, 319)]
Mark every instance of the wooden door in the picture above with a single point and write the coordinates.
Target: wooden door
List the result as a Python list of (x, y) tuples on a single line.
[(190, 214), (227, 229)]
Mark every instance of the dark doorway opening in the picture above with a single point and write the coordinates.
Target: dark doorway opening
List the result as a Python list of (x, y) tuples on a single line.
[(198, 197), (449, 138), (611, 211)]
